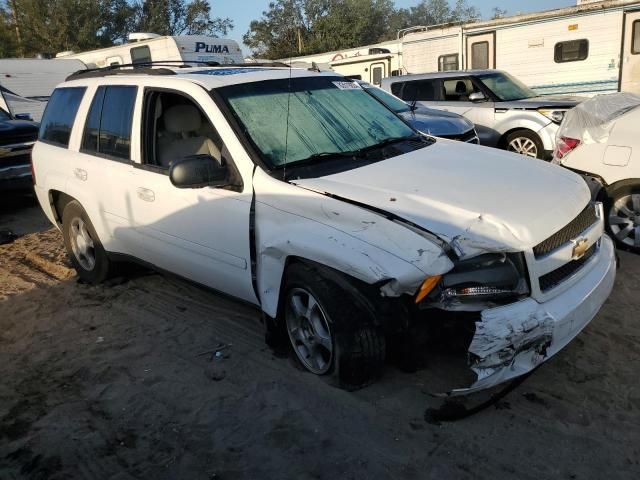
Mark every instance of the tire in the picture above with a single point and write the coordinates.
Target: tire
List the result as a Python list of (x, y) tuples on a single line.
[(525, 142), (84, 248), (622, 215), (330, 333)]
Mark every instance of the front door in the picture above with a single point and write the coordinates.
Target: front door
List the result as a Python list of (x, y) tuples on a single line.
[(630, 61), (454, 97), (481, 51)]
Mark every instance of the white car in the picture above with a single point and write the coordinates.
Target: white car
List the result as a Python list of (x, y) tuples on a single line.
[(599, 139), (298, 192)]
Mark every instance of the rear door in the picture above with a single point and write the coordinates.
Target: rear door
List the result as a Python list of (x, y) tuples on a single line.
[(630, 61), (481, 51)]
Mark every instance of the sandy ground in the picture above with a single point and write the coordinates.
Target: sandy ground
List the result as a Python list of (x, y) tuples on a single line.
[(111, 382)]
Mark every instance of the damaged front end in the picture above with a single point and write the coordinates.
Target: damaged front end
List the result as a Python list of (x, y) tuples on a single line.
[(514, 332)]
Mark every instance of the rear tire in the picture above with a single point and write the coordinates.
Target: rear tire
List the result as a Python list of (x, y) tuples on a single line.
[(84, 248), (525, 142), (330, 333), (622, 214)]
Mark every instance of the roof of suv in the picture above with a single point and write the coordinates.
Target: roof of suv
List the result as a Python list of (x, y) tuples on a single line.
[(208, 77)]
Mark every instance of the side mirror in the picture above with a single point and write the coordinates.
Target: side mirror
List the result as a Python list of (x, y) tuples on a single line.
[(24, 116), (477, 97), (197, 171)]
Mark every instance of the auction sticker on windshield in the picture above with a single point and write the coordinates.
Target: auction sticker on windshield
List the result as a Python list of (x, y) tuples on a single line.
[(347, 85)]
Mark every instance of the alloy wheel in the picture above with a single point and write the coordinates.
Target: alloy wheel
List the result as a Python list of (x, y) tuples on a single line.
[(523, 146), (82, 244), (624, 220), (309, 332)]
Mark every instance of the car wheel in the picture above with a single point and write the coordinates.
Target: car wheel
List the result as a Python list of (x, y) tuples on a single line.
[(329, 332), (87, 254), (623, 217), (525, 142)]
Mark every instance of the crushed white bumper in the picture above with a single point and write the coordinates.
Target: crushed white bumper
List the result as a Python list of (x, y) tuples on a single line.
[(514, 339)]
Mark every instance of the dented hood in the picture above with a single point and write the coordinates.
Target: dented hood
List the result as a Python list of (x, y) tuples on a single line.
[(482, 198)]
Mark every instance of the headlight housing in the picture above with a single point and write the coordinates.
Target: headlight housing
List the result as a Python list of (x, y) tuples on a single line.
[(481, 282), (554, 114)]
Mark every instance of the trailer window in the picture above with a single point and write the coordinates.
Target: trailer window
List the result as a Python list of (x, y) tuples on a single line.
[(140, 55), (376, 75), (108, 129), (571, 51), (635, 38), (480, 55), (60, 115), (448, 62)]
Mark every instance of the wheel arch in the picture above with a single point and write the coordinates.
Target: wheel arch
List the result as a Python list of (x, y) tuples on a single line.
[(58, 200), (621, 184), (502, 142)]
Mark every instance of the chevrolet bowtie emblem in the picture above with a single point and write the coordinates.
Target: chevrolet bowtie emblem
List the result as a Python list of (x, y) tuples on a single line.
[(580, 247)]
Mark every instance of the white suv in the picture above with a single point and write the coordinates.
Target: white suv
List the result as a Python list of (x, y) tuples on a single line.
[(344, 225)]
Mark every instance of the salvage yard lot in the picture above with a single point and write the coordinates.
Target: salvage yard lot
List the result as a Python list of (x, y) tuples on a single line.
[(112, 382)]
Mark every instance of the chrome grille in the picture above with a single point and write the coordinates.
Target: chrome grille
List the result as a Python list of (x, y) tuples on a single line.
[(559, 275), (584, 220)]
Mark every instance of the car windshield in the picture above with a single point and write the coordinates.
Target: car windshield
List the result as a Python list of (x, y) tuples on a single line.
[(506, 87), (4, 116), (327, 117), (391, 101)]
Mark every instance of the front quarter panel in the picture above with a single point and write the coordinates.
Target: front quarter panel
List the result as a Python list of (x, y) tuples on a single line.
[(291, 221)]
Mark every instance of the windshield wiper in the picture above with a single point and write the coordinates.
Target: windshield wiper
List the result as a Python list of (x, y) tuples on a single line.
[(359, 153)]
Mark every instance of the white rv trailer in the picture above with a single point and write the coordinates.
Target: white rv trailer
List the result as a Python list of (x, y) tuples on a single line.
[(147, 47), (371, 63), (28, 83), (591, 48)]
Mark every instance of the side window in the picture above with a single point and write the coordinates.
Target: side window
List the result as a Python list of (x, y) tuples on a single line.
[(635, 38), (448, 62), (140, 55), (572, 51), (396, 88), (60, 115), (458, 89), (175, 127), (108, 128), (424, 90), (480, 55)]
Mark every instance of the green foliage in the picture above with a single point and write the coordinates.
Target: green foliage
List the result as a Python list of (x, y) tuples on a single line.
[(301, 27), (30, 27)]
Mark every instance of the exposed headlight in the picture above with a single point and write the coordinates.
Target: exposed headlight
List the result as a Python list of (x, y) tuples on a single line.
[(556, 116), (492, 278)]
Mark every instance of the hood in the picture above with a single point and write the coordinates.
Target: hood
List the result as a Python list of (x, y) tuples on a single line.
[(484, 198), (559, 101), (437, 122), (18, 128)]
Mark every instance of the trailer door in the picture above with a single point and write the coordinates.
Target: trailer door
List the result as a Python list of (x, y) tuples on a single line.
[(630, 61), (481, 51)]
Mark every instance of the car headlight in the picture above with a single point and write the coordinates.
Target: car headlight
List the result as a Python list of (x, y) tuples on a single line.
[(555, 115), (488, 279)]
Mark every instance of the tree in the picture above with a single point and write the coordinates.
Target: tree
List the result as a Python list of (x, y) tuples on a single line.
[(178, 17), (298, 27), (498, 13), (30, 27)]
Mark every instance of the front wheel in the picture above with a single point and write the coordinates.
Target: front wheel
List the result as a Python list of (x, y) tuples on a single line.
[(623, 217), (525, 142), (84, 249), (329, 331)]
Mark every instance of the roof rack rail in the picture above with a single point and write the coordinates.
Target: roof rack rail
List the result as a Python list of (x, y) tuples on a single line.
[(146, 68)]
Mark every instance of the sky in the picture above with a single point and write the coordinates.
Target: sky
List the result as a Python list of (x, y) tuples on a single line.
[(242, 12)]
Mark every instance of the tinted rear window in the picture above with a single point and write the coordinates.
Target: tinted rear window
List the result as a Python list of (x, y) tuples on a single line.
[(424, 90), (108, 128), (60, 115)]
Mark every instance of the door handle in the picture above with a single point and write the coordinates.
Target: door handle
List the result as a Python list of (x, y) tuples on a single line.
[(80, 174), (145, 194)]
